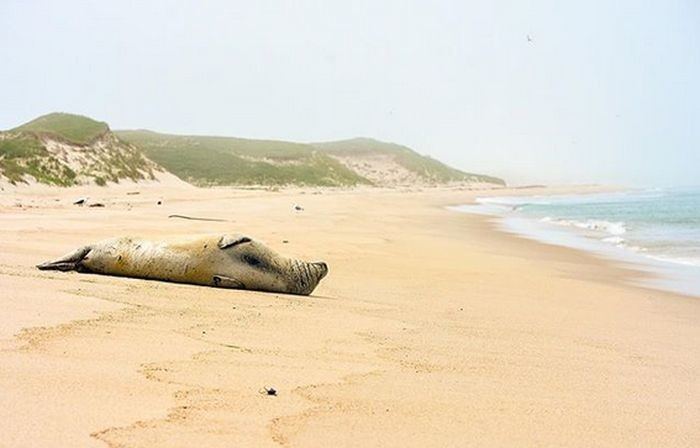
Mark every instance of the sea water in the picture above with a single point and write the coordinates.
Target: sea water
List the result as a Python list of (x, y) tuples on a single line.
[(657, 229)]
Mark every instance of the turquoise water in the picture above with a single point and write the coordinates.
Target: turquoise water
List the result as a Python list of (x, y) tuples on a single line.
[(659, 228)]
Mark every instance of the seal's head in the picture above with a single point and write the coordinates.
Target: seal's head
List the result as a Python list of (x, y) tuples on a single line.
[(255, 266)]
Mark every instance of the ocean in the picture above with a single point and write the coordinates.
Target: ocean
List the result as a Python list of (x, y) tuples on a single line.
[(656, 229)]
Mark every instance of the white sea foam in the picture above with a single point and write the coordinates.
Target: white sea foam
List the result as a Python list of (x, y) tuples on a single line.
[(598, 225), (507, 201), (677, 260), (616, 240)]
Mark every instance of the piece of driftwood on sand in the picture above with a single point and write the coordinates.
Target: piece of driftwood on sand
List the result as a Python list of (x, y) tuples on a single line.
[(194, 218)]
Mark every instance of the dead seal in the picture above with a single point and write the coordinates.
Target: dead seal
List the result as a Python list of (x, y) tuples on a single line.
[(228, 261)]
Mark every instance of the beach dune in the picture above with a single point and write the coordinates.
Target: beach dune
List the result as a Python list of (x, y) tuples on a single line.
[(432, 329)]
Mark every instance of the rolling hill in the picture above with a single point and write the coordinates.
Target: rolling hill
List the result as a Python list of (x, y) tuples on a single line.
[(389, 164), (205, 160), (73, 128), (65, 149)]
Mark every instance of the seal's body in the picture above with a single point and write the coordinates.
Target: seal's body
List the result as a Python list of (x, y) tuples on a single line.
[(228, 261)]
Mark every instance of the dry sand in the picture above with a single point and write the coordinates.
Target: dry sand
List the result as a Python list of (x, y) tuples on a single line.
[(432, 329)]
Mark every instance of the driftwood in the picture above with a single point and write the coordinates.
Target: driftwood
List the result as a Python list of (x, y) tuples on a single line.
[(194, 218)]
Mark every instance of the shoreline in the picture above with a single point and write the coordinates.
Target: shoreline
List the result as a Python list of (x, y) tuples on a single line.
[(426, 313), (657, 272)]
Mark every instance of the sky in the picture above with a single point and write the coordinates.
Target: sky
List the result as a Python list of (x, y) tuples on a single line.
[(604, 92)]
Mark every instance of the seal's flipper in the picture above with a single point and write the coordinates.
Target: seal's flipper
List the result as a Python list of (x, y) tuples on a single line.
[(221, 281), (69, 262)]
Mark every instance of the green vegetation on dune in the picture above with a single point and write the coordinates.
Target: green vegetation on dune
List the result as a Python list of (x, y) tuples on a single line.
[(25, 155), (21, 146), (84, 150), (65, 149), (73, 128), (425, 167), (234, 161), (120, 161)]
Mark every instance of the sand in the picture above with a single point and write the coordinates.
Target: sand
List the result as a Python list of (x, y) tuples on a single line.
[(431, 329)]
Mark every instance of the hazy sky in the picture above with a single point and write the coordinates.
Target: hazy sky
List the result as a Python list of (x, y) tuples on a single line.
[(607, 91)]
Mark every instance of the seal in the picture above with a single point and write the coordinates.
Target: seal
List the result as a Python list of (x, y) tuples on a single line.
[(224, 261)]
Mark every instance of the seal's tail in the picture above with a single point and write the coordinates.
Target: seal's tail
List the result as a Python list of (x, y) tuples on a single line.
[(69, 262)]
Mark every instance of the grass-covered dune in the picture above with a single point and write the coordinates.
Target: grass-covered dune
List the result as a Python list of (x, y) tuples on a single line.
[(205, 160), (235, 161), (65, 149), (73, 128), (422, 168)]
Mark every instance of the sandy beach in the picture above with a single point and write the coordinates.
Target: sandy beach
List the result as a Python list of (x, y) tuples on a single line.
[(431, 329)]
